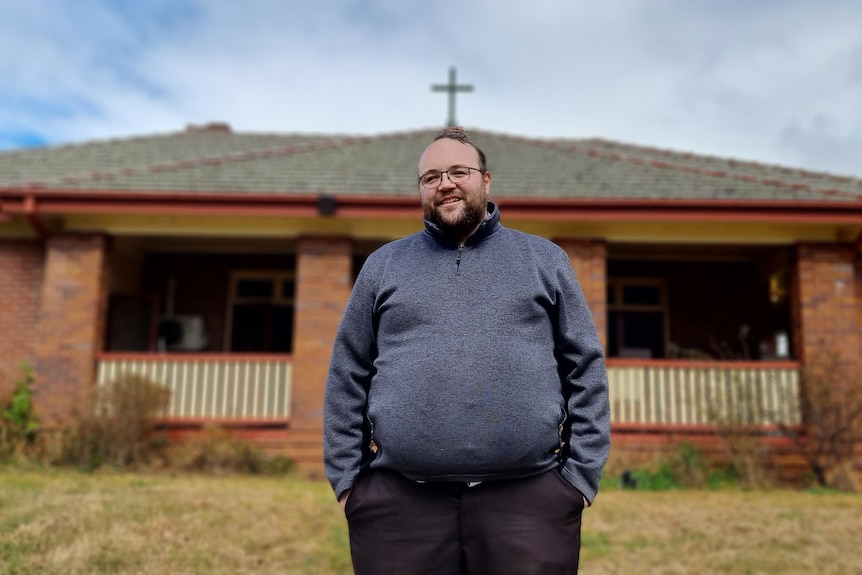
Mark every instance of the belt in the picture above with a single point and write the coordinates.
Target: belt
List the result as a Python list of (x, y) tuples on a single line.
[(467, 483)]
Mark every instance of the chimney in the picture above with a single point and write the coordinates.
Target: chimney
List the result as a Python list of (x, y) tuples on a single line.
[(210, 127)]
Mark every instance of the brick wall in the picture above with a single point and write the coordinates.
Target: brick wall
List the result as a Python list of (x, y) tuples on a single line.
[(323, 283), (589, 259), (69, 329), (21, 268), (828, 303)]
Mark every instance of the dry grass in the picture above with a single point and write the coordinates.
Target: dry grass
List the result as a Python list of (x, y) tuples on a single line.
[(732, 532), (71, 523), (54, 522)]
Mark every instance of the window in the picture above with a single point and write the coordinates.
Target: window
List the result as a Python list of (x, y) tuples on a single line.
[(637, 317), (260, 313)]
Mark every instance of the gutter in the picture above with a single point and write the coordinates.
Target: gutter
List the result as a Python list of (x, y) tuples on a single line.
[(692, 210), (26, 202), (33, 204)]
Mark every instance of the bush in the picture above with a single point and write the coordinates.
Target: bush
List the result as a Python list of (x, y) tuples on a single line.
[(661, 478), (218, 452), (738, 419), (116, 424), (19, 426), (689, 469), (831, 406)]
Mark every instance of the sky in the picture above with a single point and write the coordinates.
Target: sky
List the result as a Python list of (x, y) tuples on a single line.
[(773, 81)]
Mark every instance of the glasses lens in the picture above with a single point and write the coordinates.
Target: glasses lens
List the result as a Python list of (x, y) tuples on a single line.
[(459, 174), (430, 180)]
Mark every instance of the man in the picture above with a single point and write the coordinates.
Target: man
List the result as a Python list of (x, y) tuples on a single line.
[(466, 412)]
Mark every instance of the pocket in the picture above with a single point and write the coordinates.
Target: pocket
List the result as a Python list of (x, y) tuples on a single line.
[(567, 489), (355, 495)]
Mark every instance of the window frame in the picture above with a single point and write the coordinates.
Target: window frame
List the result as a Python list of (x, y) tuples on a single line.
[(278, 277), (617, 285)]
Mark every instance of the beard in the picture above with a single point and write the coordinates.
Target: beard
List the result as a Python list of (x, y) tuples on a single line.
[(464, 222)]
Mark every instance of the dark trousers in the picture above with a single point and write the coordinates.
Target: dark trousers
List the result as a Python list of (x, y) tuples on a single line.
[(521, 527)]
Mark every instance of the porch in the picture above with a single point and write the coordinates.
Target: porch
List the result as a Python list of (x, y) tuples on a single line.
[(233, 328)]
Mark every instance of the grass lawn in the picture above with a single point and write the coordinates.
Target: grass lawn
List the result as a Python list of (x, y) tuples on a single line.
[(66, 522)]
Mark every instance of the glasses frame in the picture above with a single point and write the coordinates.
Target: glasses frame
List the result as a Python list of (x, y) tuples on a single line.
[(433, 187)]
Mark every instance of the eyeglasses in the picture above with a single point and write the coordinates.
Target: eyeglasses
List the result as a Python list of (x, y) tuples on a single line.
[(457, 175)]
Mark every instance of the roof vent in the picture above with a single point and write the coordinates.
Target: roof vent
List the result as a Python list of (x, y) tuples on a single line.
[(222, 127)]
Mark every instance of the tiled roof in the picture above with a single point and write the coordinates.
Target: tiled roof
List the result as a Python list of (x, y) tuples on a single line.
[(216, 160)]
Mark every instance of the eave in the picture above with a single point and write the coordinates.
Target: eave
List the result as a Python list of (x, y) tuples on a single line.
[(34, 203)]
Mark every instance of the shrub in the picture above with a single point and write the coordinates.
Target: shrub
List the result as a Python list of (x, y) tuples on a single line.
[(116, 424), (218, 452), (831, 405), (688, 469), (660, 478), (19, 426), (738, 419)]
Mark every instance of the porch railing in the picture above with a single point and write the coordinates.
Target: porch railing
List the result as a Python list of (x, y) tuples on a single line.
[(641, 391), (683, 392), (210, 386)]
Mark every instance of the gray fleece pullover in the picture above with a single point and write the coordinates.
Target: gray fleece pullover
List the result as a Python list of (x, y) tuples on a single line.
[(467, 363)]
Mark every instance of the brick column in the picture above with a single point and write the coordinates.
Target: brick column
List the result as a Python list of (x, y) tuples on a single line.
[(827, 303), (21, 268), (323, 283), (71, 320), (589, 259)]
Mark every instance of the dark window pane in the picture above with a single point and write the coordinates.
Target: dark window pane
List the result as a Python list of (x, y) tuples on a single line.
[(613, 334), (287, 289), (255, 288), (282, 329), (611, 295), (130, 323), (641, 295), (249, 327), (643, 330), (262, 328), (635, 334)]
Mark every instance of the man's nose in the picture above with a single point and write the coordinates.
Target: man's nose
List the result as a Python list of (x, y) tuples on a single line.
[(446, 181)]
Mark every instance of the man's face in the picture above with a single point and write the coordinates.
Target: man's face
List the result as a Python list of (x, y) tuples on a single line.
[(456, 208)]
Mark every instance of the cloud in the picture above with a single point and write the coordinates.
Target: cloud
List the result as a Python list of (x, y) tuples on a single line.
[(769, 81)]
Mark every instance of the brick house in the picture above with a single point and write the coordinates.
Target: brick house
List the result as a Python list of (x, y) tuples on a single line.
[(219, 263)]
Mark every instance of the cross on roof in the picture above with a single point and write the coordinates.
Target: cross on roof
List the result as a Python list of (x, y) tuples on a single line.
[(452, 87)]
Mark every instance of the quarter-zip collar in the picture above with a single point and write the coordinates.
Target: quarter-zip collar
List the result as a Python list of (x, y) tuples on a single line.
[(489, 225)]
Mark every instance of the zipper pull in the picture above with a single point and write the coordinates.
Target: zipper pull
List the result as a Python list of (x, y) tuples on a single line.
[(458, 261)]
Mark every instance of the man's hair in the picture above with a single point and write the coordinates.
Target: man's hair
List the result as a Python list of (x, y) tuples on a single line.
[(460, 134)]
